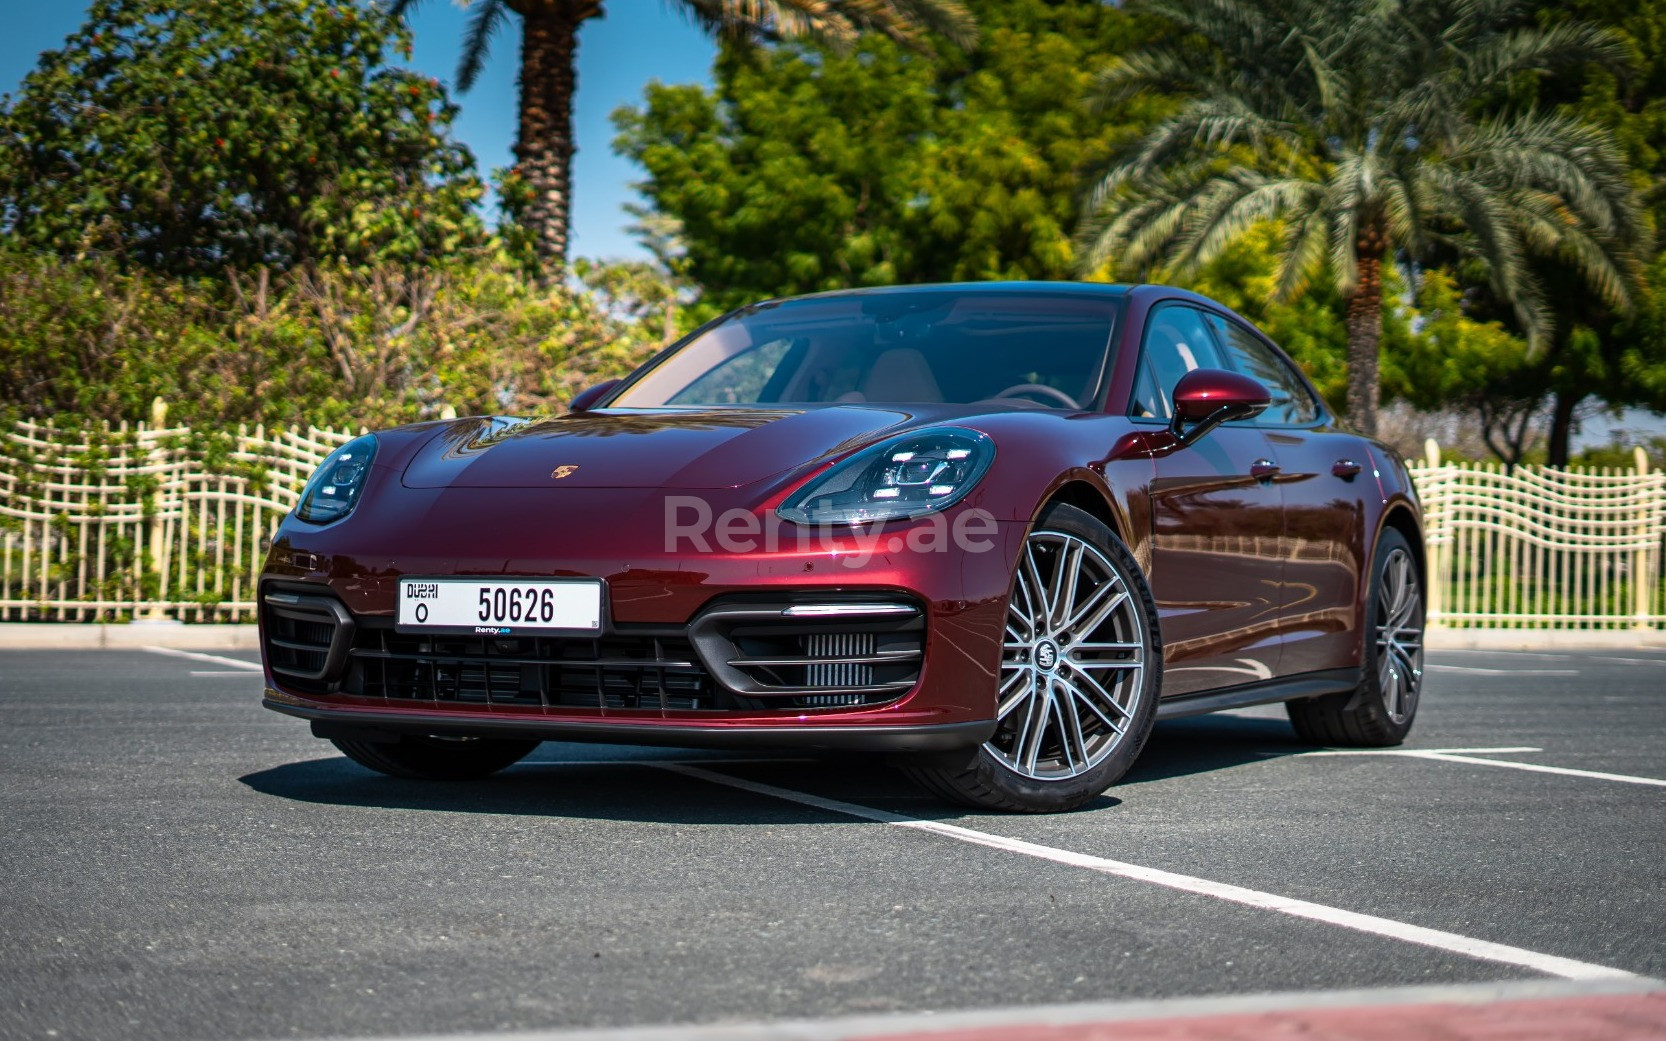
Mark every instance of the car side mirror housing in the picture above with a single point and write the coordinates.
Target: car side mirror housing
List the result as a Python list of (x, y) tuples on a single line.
[(1206, 398), (590, 395)]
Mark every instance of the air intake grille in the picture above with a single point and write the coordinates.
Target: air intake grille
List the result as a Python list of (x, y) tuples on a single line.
[(824, 652), (305, 637), (837, 673)]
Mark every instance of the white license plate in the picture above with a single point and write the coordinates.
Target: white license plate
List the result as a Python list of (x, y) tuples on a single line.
[(499, 606)]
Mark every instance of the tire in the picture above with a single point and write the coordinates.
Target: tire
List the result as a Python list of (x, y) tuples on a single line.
[(436, 758), (1379, 712), (1081, 670)]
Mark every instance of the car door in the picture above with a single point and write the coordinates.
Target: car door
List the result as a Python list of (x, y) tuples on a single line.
[(1320, 470), (1216, 520)]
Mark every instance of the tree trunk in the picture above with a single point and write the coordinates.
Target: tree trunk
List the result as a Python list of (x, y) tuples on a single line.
[(544, 145), (1561, 425), (1365, 329)]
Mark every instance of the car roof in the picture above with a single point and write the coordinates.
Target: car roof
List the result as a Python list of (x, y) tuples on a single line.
[(1113, 289)]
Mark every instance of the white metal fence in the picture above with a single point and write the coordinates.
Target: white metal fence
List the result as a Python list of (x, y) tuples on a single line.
[(164, 522), (144, 521), (1536, 547)]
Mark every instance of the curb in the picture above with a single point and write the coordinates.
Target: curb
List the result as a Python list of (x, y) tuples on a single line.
[(1046, 1020), (55, 636), (1443, 639)]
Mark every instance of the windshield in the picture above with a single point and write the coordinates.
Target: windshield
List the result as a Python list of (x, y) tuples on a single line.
[(954, 346)]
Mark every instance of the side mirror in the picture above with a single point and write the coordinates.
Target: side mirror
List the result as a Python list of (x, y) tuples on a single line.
[(1210, 397), (590, 395)]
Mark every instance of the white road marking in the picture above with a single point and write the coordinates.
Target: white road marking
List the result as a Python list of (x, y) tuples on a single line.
[(236, 663), (1632, 661), (1501, 652), (714, 761), (1483, 949), (218, 672), (1451, 755), (1498, 672)]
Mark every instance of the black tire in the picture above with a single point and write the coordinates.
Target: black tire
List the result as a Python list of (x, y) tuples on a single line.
[(436, 758), (1380, 711), (994, 776)]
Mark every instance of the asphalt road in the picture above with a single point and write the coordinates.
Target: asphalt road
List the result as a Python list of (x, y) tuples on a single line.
[(176, 862)]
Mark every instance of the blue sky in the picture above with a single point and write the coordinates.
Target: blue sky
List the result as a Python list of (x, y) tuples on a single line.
[(639, 41)]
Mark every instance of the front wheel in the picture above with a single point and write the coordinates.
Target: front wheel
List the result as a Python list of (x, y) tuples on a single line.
[(1378, 713), (436, 758), (1081, 665)]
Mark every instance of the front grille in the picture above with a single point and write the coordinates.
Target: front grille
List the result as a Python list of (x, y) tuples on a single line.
[(618, 672), (306, 637), (825, 652)]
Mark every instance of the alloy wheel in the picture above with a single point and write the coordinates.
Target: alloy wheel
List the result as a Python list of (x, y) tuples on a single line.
[(1399, 636), (1073, 660)]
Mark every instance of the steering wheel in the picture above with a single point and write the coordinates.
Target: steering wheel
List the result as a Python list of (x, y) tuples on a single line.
[(1038, 388)]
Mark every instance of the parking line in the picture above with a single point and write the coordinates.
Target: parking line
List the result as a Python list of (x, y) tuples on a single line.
[(1498, 672), (1503, 651), (1451, 756), (1482, 949), (236, 663)]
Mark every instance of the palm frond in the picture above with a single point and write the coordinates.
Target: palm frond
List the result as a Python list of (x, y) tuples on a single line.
[(1496, 227), (1306, 244), (1231, 205), (484, 21), (1568, 45), (836, 24)]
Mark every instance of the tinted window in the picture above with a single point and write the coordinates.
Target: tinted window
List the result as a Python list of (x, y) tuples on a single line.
[(1249, 354), (926, 346), (738, 378), (1176, 342)]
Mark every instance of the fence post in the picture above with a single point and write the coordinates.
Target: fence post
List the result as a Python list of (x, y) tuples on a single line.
[(1437, 544), (1642, 558), (153, 537)]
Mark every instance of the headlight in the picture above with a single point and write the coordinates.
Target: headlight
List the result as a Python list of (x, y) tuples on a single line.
[(903, 477), (336, 486)]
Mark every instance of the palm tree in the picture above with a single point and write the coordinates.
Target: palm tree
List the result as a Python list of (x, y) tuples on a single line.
[(549, 45), (1365, 127)]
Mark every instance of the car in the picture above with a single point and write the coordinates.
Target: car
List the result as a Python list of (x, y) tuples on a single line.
[(992, 530)]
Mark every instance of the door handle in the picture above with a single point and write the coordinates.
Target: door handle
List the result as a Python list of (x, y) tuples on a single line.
[(1345, 469), (1263, 469)]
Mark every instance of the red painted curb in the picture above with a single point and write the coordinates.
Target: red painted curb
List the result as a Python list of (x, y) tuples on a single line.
[(1621, 1017)]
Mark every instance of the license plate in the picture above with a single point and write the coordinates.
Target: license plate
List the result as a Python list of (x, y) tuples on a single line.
[(499, 606)]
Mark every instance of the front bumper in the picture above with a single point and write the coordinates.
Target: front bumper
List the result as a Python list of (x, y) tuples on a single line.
[(693, 649), (927, 737)]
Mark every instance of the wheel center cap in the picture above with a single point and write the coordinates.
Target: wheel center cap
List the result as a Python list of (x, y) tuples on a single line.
[(1047, 655)]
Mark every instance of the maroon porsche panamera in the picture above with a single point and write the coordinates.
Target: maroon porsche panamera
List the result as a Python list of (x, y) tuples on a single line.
[(995, 529)]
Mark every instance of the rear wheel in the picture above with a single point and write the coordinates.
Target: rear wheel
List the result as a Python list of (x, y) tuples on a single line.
[(1379, 712), (1080, 668), (436, 758)]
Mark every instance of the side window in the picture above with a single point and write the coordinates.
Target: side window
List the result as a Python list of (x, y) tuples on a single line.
[(740, 377), (1292, 402), (1176, 342)]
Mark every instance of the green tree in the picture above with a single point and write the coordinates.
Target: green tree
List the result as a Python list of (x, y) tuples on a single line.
[(1365, 129), (1597, 351), (375, 344), (196, 135), (549, 47), (806, 169)]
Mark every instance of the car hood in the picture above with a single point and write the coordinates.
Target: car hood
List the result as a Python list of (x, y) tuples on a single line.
[(653, 448)]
